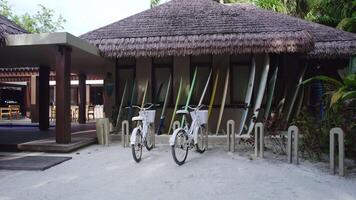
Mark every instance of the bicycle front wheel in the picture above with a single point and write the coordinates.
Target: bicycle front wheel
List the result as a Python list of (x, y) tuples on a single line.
[(180, 147), (137, 147), (149, 139), (200, 145)]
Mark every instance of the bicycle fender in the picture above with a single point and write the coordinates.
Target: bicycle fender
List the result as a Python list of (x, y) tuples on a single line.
[(133, 136), (173, 137)]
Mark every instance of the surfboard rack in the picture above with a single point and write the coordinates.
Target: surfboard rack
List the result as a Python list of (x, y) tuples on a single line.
[(292, 146), (340, 134), (230, 129), (125, 133), (259, 139)]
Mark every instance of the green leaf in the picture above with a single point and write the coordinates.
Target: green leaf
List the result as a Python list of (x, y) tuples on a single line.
[(349, 95), (325, 79), (337, 96), (350, 80)]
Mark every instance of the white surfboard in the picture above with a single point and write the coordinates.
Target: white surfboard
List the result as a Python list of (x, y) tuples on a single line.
[(248, 94), (260, 94)]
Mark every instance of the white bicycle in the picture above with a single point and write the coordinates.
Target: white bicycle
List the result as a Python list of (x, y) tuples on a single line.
[(186, 138), (142, 134)]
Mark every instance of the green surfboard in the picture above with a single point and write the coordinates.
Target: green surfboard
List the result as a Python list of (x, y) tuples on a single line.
[(189, 94), (144, 95), (176, 104), (162, 119), (222, 106)]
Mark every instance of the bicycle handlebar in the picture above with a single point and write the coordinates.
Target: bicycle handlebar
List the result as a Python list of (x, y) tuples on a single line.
[(194, 107), (145, 107)]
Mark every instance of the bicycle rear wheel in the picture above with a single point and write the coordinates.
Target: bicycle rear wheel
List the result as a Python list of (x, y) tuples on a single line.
[(149, 139), (180, 148), (137, 147), (200, 145)]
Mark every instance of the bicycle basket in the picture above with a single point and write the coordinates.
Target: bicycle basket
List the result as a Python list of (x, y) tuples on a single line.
[(202, 116), (148, 115)]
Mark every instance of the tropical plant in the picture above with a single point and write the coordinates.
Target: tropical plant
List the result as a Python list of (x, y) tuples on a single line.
[(155, 3), (345, 90), (43, 21)]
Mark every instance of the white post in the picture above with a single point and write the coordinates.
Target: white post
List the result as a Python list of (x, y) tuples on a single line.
[(259, 134), (340, 134), (206, 136), (153, 135), (124, 132), (176, 124), (230, 129), (292, 146)]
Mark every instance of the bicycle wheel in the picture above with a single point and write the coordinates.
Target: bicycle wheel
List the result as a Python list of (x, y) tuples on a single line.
[(137, 147), (149, 139), (180, 148), (200, 144)]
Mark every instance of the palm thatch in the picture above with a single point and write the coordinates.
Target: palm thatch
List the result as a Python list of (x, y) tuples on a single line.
[(193, 27), (8, 27)]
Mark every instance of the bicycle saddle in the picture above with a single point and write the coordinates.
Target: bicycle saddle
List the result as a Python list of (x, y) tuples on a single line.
[(137, 118), (183, 112)]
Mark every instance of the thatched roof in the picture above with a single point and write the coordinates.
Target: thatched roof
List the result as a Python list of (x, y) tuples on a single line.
[(8, 27), (192, 27)]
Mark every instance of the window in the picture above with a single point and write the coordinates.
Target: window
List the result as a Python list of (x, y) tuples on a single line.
[(162, 69), (203, 65)]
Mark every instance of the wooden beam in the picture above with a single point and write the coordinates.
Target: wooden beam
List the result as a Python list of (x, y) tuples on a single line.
[(43, 97), (63, 67), (82, 98)]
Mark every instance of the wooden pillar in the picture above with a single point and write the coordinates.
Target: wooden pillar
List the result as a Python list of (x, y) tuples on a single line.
[(43, 97), (82, 98), (63, 65)]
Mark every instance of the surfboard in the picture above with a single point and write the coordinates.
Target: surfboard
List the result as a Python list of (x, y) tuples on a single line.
[(189, 94), (222, 106), (260, 94), (205, 89), (120, 107), (176, 104), (294, 96), (212, 98), (270, 91), (162, 119), (249, 90), (144, 95)]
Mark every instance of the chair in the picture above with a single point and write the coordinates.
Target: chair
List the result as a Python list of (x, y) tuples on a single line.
[(14, 111), (5, 111), (91, 112), (53, 113)]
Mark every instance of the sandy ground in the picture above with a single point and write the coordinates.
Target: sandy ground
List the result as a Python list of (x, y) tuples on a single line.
[(104, 173)]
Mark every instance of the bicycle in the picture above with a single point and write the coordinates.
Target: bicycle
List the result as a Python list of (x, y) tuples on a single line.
[(186, 138), (142, 134)]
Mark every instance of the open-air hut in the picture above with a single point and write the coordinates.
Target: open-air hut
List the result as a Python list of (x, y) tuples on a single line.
[(8, 27), (181, 35)]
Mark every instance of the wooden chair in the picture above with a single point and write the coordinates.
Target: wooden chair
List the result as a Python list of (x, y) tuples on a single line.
[(5, 111), (91, 112), (14, 111), (53, 113)]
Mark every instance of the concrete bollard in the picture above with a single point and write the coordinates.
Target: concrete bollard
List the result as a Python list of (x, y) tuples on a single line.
[(292, 146), (102, 131), (206, 137), (176, 124), (259, 139), (125, 133), (230, 129), (153, 135), (337, 132)]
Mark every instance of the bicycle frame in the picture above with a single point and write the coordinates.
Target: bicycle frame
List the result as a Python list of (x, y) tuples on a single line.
[(192, 131)]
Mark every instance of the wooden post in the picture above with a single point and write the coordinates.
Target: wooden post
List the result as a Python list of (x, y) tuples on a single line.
[(82, 98), (337, 132), (63, 65), (34, 99), (43, 106)]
